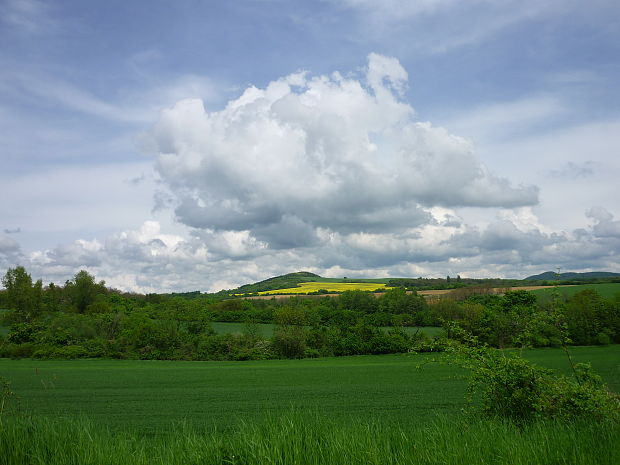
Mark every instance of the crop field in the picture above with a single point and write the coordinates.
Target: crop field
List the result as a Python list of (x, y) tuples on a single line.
[(150, 396), (314, 286), (364, 410), (606, 290)]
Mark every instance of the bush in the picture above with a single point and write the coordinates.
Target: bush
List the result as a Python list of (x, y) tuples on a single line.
[(603, 339), (512, 388), (23, 332), (290, 341), (64, 352), (24, 350)]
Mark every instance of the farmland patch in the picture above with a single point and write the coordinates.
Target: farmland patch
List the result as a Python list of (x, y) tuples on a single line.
[(314, 286), (151, 395)]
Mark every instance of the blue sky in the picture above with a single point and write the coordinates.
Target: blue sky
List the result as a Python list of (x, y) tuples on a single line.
[(202, 145)]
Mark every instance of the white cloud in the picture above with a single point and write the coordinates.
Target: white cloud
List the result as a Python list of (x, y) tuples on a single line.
[(605, 226), (319, 152)]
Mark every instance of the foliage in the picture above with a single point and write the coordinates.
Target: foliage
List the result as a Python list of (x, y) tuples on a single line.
[(82, 290), (8, 399), (83, 318), (22, 296), (511, 388)]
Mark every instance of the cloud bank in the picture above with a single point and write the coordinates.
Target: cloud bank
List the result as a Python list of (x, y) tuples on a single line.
[(150, 260)]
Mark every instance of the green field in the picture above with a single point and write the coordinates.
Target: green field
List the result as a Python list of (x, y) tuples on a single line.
[(151, 395), (266, 329), (312, 440), (606, 290)]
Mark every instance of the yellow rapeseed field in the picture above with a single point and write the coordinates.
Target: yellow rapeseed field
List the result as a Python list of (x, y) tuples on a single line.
[(305, 288)]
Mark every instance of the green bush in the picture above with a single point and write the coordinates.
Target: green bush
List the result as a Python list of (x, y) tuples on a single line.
[(65, 352), (24, 350), (512, 388)]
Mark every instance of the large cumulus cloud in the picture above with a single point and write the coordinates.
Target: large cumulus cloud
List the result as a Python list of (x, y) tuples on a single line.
[(305, 155)]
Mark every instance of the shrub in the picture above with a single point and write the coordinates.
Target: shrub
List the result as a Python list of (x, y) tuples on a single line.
[(64, 352), (512, 388), (24, 350), (23, 332)]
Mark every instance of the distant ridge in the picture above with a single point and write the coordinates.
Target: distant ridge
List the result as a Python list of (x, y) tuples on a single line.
[(278, 282), (552, 276)]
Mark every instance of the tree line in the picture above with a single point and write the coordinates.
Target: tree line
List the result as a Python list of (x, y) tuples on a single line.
[(85, 319)]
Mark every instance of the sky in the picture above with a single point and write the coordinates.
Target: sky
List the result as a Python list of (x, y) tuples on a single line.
[(200, 145)]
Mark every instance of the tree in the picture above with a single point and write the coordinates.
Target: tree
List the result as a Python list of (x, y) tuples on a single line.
[(398, 301), (289, 337), (358, 301), (83, 290), (23, 296), (52, 298)]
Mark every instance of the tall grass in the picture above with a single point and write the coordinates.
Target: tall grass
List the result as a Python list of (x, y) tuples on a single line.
[(309, 439)]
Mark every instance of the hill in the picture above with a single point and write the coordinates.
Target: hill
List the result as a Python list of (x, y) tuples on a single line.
[(278, 282), (552, 276)]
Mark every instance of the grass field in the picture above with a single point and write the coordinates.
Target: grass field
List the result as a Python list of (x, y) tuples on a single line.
[(151, 395), (311, 440), (607, 290), (314, 286), (350, 410), (266, 329)]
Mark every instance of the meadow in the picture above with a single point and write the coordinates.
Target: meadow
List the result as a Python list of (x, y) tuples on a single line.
[(605, 290), (390, 409), (151, 395), (315, 286), (303, 439)]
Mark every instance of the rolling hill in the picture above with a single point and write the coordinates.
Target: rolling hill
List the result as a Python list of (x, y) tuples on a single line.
[(553, 276), (278, 282)]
